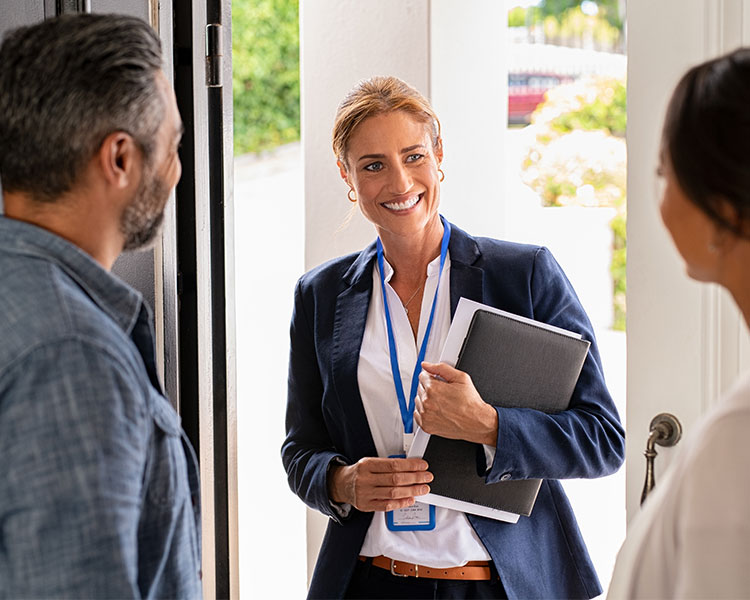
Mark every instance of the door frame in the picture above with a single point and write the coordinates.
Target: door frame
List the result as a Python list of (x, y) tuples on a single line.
[(205, 276), (686, 341)]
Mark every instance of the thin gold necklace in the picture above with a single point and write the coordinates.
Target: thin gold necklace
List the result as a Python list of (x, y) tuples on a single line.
[(406, 304)]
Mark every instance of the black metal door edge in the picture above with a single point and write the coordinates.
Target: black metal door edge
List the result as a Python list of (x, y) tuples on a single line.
[(186, 73), (52, 8), (218, 298), (189, 407)]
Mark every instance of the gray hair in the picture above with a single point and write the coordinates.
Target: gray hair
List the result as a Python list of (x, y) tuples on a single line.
[(65, 85)]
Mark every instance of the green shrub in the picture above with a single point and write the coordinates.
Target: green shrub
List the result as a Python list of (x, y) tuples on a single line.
[(564, 22), (609, 10), (606, 111), (579, 159), (265, 73), (517, 17), (618, 269)]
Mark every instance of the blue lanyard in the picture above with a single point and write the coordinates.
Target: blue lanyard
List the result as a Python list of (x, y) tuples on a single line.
[(407, 409)]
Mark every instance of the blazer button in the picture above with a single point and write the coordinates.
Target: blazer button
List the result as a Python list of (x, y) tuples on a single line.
[(505, 477)]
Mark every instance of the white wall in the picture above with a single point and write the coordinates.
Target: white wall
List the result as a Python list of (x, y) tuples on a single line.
[(469, 91), (686, 342), (342, 43)]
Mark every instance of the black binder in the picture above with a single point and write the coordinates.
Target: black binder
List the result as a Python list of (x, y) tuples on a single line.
[(513, 363)]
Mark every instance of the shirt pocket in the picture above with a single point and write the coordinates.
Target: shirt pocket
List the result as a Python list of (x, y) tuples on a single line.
[(167, 484)]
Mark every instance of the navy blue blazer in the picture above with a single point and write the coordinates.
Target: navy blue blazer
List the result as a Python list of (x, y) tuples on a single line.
[(541, 556)]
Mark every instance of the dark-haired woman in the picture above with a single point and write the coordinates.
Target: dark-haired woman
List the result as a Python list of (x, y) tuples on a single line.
[(692, 539)]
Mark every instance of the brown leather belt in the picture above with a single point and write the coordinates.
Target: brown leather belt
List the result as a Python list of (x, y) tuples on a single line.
[(475, 570)]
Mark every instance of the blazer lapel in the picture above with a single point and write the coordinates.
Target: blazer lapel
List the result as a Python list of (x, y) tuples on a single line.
[(349, 327), (466, 280), (348, 330)]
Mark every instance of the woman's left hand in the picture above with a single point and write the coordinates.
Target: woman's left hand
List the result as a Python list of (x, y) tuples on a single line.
[(448, 405)]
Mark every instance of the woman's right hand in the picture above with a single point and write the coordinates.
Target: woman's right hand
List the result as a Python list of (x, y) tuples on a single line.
[(379, 483)]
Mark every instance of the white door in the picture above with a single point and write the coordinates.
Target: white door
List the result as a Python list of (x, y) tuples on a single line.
[(686, 341)]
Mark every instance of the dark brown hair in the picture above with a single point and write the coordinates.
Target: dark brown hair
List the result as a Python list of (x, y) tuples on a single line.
[(706, 136)]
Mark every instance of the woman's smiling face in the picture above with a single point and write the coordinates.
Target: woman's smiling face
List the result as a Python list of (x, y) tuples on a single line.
[(393, 169)]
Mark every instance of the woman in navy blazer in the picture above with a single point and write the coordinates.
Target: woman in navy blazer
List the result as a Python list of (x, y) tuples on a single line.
[(329, 445)]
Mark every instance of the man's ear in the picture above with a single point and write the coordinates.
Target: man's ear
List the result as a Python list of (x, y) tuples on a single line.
[(119, 159)]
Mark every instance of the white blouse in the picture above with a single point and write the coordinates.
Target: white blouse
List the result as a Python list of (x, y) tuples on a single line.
[(692, 537), (453, 542)]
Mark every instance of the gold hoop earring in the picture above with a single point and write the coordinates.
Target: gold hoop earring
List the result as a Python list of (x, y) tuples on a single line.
[(349, 195), (442, 175)]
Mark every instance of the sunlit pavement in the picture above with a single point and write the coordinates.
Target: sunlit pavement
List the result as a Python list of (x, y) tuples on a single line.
[(269, 232)]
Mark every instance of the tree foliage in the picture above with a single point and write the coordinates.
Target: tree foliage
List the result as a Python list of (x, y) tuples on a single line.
[(608, 9), (618, 268), (607, 111), (517, 17), (565, 20), (265, 73), (579, 159)]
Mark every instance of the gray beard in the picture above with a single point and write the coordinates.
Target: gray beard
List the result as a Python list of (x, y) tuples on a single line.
[(142, 219)]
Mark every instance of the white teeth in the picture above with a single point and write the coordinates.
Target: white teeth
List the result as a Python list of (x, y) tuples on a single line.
[(402, 205)]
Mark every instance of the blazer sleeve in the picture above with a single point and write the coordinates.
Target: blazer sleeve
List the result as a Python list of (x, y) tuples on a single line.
[(308, 450), (586, 440)]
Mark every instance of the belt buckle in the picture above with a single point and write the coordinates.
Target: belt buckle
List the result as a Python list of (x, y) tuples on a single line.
[(393, 572)]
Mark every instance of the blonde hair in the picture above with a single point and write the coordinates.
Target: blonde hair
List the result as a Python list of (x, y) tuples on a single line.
[(375, 96)]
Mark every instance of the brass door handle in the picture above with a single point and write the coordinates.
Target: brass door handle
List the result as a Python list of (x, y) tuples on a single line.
[(665, 430)]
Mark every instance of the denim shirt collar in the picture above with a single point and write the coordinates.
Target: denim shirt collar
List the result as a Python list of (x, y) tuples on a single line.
[(113, 296)]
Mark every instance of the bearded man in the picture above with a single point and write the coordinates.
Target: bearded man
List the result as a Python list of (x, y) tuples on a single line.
[(98, 483)]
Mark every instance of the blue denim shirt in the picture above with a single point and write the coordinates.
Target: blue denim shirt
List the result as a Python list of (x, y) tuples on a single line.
[(99, 492)]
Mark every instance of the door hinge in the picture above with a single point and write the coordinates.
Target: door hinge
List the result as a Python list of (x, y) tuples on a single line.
[(53, 8), (214, 54)]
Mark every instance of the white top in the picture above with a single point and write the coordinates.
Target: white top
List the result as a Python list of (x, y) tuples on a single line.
[(453, 542), (692, 537)]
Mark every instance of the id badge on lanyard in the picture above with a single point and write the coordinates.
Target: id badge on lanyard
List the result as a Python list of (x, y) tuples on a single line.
[(417, 517), (420, 516)]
